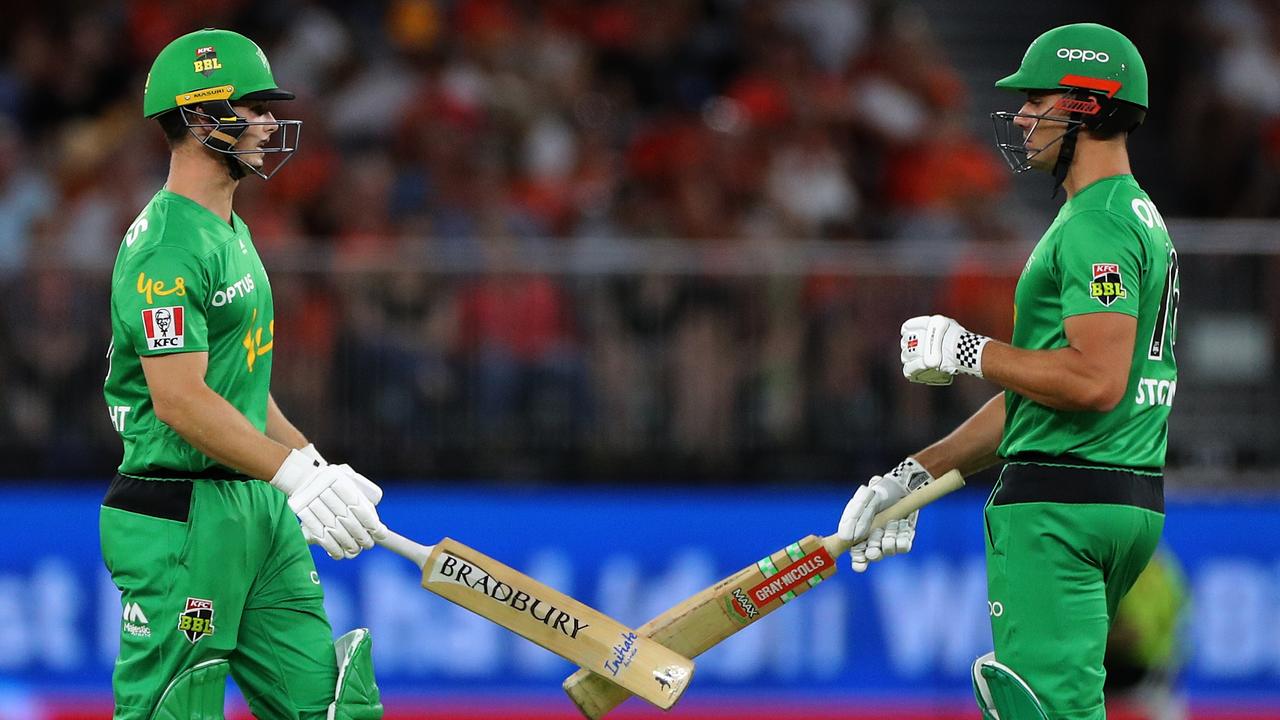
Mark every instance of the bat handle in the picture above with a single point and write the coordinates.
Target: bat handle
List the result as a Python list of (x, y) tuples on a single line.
[(406, 548), (914, 500)]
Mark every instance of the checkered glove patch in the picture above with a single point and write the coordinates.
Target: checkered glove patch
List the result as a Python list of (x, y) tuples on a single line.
[(935, 348)]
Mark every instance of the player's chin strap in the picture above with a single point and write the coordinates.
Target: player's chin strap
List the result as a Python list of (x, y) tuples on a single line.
[(224, 132), (1066, 153)]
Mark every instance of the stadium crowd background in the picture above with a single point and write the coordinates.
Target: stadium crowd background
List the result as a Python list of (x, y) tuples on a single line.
[(635, 239)]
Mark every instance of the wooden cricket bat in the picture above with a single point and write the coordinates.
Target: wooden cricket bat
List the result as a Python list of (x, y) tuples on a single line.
[(574, 631), (702, 621)]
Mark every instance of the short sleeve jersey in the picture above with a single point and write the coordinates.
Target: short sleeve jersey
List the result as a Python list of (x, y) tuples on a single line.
[(1107, 251), (186, 281)]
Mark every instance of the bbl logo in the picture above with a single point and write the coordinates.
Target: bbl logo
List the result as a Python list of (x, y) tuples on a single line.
[(196, 621), (1107, 286), (207, 61)]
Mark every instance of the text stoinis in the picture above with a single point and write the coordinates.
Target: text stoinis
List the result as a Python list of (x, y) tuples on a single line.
[(163, 327), (454, 570), (791, 576)]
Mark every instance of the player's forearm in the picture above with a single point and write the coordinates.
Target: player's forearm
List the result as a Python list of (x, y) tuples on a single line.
[(1063, 379), (971, 446), (216, 428), (280, 429)]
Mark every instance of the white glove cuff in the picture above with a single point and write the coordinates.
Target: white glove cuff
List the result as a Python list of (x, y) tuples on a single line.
[(310, 451), (969, 352), (911, 474), (294, 471)]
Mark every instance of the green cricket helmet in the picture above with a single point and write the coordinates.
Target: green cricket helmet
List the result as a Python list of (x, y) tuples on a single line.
[(200, 75), (1104, 80)]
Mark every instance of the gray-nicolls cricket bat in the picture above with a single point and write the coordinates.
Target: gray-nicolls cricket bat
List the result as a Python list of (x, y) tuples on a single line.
[(702, 621), (571, 629)]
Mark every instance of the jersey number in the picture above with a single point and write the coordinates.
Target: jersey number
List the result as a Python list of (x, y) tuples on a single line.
[(1167, 320)]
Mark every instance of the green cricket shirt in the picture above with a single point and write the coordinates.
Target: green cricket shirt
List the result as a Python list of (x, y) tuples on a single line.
[(1107, 251), (186, 281)]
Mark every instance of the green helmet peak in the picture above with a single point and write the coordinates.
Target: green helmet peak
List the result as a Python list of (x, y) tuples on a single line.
[(208, 65), (1085, 56)]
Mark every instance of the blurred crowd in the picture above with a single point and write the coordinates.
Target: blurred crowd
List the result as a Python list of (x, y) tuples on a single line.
[(450, 147)]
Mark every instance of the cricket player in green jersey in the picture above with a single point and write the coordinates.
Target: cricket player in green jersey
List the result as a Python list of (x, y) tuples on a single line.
[(198, 526), (1089, 379)]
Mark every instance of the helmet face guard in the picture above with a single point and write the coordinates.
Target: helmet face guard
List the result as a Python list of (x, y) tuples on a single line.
[(225, 127), (1012, 142)]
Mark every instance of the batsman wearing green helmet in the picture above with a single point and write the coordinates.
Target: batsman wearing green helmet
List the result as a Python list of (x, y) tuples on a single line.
[(200, 525), (1089, 379)]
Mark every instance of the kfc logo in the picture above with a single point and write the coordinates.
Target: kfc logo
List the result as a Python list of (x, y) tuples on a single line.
[(163, 327)]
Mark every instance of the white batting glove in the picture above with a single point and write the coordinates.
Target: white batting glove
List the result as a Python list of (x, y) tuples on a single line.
[(879, 493), (894, 538), (367, 486), (332, 507), (935, 348)]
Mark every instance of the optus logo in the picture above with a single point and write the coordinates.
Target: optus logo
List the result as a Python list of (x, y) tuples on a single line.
[(1073, 54)]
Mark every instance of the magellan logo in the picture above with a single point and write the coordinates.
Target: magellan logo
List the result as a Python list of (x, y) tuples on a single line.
[(1073, 54)]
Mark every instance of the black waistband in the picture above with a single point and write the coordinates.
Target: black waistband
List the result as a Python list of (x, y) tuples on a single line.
[(1073, 461), (206, 474), (1025, 483), (169, 499)]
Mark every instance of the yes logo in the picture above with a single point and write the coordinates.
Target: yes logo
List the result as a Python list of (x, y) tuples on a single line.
[(150, 288)]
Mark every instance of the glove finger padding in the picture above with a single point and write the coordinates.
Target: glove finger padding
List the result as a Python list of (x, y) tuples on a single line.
[(335, 500), (366, 486), (357, 506), (315, 533), (858, 557), (875, 552), (854, 511)]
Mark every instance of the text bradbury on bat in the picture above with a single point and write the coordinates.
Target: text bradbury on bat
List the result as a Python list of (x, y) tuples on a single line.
[(455, 570)]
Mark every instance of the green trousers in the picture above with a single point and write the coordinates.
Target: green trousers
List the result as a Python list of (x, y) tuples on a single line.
[(1063, 546), (216, 569)]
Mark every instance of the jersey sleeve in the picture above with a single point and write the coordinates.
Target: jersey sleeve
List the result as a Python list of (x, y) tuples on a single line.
[(1100, 261), (160, 302)]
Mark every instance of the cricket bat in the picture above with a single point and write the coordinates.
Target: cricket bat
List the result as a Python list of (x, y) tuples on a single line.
[(702, 621), (574, 631)]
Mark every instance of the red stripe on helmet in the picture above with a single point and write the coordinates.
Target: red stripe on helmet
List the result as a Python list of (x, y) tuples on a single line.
[(1110, 87)]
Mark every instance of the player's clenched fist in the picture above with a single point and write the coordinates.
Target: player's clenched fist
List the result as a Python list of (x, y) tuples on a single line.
[(935, 348), (334, 503)]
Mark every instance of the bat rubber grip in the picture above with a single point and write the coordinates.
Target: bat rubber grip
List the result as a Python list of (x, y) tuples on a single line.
[(406, 548)]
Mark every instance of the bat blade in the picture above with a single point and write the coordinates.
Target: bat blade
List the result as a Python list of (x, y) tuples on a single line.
[(705, 619), (569, 628)]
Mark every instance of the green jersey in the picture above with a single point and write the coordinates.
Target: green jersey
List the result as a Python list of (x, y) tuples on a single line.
[(186, 281), (1107, 251)]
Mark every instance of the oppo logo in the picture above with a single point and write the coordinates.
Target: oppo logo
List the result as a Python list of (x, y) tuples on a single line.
[(1071, 54), (995, 608)]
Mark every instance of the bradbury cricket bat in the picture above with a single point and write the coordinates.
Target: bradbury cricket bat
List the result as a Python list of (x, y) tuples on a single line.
[(578, 633), (702, 621)]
